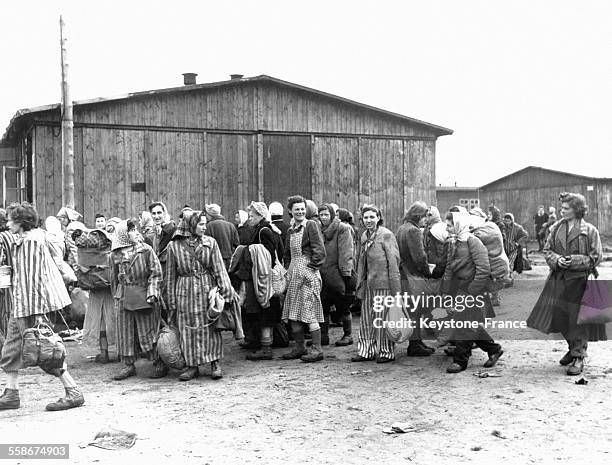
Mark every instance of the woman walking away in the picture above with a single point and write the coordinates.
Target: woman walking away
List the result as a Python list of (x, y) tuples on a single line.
[(573, 250), (378, 275), (135, 272), (262, 319), (7, 238), (468, 273), (516, 241), (337, 273), (195, 266), (305, 254), (38, 289)]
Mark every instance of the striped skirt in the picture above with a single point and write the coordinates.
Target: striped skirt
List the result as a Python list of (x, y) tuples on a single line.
[(373, 342), (137, 332)]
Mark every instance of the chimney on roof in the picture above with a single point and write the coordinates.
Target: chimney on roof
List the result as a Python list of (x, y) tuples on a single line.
[(235, 77), (189, 79)]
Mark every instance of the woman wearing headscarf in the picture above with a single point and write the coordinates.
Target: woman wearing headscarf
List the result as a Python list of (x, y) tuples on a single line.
[(468, 273), (336, 273), (112, 224), (378, 275), (146, 226), (434, 241), (245, 230), (573, 251), (262, 320), (134, 264), (194, 267), (414, 270), (491, 237), (304, 256), (68, 218), (38, 290), (494, 215), (516, 241)]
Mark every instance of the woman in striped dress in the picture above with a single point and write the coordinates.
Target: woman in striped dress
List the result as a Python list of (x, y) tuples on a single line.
[(194, 267), (38, 289), (378, 275), (133, 263), (305, 255), (6, 298)]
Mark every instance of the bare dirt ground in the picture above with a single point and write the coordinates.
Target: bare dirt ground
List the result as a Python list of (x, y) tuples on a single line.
[(334, 411)]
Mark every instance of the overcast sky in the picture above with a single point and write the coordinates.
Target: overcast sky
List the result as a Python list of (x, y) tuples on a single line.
[(520, 82)]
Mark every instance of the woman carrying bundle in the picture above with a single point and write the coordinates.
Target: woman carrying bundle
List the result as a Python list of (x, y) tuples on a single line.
[(194, 267)]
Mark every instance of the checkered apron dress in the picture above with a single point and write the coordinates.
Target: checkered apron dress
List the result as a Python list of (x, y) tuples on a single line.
[(303, 300)]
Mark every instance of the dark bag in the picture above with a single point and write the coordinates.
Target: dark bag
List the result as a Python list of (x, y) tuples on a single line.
[(519, 262), (135, 299), (280, 336), (596, 303), (93, 278), (226, 320), (43, 348)]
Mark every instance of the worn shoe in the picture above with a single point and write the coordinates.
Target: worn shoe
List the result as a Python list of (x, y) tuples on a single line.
[(455, 368), (345, 341), (263, 354), (493, 358), (295, 354), (188, 374), (126, 372), (359, 358), (450, 351), (160, 370), (566, 359), (9, 399), (250, 345), (74, 398), (215, 370), (419, 350), (313, 355), (324, 342), (384, 360), (576, 367), (102, 358)]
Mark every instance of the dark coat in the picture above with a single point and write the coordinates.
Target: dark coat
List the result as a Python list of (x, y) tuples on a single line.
[(277, 220), (412, 251), (225, 234), (312, 245), (338, 238), (245, 232), (467, 268)]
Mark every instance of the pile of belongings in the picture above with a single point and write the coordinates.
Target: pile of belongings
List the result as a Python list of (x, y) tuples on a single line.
[(94, 249)]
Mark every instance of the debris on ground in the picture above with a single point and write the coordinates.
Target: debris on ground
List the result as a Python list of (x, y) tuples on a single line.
[(113, 439), (582, 382), (486, 374), (399, 427), (498, 434)]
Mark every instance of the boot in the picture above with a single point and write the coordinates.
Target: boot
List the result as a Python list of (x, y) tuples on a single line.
[(249, 345), (160, 370), (315, 353), (456, 368), (566, 359), (347, 327), (300, 348), (126, 372), (102, 357), (188, 374), (215, 370), (74, 398), (576, 367), (418, 349), (493, 358), (9, 399), (264, 354)]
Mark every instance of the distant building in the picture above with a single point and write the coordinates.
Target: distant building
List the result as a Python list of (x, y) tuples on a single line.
[(521, 192), (228, 142), (449, 196)]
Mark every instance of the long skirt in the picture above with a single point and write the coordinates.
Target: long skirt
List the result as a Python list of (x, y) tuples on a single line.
[(303, 300), (199, 340), (373, 342), (101, 317), (556, 311)]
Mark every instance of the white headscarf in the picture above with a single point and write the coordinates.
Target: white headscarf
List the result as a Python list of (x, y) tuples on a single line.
[(244, 216), (461, 226), (439, 231)]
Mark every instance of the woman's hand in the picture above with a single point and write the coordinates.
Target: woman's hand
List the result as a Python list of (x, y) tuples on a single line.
[(564, 262), (151, 299)]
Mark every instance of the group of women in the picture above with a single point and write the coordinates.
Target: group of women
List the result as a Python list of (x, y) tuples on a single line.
[(329, 264)]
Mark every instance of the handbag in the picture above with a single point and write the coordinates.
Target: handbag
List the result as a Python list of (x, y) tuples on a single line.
[(595, 305), (135, 298), (42, 347)]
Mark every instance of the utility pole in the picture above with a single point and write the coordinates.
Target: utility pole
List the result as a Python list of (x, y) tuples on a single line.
[(67, 128)]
